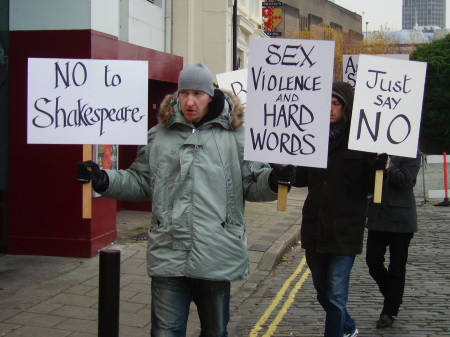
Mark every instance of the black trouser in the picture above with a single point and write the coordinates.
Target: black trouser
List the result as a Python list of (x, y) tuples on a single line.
[(391, 281)]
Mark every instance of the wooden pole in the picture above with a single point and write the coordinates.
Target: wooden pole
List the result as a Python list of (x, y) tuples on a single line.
[(378, 186), (282, 197), (87, 188)]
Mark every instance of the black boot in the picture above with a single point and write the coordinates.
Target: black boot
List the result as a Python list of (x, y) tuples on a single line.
[(385, 321)]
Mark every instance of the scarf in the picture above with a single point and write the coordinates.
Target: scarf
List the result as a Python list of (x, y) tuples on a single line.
[(336, 129)]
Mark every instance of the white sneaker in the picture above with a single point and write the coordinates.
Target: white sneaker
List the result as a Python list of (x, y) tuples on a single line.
[(354, 333)]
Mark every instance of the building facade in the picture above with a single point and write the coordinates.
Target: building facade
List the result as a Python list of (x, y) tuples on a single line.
[(300, 15), (203, 31), (423, 13)]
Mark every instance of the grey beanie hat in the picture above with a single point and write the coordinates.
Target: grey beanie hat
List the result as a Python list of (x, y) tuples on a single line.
[(196, 77)]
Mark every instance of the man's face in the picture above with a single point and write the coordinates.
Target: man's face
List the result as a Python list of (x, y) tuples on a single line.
[(337, 109), (194, 104)]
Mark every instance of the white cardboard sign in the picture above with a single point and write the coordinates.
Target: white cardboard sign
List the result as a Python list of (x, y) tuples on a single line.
[(387, 106), (288, 102), (350, 66), (236, 82), (85, 101)]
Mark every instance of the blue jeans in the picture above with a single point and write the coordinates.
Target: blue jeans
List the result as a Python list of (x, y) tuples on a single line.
[(171, 298), (331, 277)]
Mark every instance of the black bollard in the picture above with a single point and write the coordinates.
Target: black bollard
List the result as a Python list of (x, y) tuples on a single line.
[(109, 293)]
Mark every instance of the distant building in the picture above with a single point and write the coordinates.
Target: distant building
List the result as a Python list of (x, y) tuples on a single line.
[(423, 13), (298, 15), (418, 35), (406, 41)]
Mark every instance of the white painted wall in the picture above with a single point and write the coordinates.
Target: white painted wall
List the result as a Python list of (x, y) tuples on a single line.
[(202, 31), (145, 24), (105, 16)]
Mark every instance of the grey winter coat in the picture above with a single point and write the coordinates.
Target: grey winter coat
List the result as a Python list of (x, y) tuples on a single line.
[(397, 210), (197, 182)]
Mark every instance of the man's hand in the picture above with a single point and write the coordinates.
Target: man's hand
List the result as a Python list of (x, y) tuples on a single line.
[(380, 162), (281, 174), (89, 170)]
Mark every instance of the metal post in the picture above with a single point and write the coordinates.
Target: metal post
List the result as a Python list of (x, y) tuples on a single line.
[(424, 163), (109, 293), (235, 66), (446, 202)]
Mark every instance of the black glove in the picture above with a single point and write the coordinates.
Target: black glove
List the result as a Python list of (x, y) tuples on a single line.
[(380, 162), (89, 170), (283, 175)]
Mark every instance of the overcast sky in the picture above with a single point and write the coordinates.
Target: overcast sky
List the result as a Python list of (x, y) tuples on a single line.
[(381, 12)]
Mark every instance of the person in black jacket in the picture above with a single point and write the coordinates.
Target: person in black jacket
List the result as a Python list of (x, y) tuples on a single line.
[(392, 223), (334, 215)]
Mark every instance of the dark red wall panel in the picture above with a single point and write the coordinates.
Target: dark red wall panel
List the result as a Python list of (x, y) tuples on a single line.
[(163, 67)]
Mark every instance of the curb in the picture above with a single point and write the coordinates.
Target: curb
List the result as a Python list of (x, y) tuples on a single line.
[(273, 255), (268, 261)]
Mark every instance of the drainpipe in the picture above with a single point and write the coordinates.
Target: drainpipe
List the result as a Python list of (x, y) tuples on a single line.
[(235, 66), (168, 26)]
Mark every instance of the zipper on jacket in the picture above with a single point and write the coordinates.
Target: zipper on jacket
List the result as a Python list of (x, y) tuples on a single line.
[(191, 213)]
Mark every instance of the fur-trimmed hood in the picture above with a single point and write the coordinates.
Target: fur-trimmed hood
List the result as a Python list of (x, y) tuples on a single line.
[(232, 111)]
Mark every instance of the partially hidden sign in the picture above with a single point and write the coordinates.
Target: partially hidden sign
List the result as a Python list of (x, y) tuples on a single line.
[(387, 106), (236, 82), (78, 101), (288, 101), (350, 65)]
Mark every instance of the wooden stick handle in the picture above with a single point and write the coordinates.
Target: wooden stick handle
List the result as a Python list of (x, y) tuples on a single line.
[(87, 188), (378, 186), (282, 197)]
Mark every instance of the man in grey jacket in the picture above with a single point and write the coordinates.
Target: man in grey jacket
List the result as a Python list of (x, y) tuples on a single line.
[(392, 223), (192, 169)]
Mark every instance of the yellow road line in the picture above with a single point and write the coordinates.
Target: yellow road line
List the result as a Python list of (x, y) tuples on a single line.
[(278, 297), (274, 325)]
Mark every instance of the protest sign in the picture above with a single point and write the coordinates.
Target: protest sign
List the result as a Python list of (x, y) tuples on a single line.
[(387, 106), (288, 101), (77, 101), (350, 66), (236, 82), (85, 101)]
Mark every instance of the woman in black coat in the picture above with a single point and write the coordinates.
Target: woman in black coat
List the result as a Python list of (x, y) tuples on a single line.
[(334, 215), (392, 223)]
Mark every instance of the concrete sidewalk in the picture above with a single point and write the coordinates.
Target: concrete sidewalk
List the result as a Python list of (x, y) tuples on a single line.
[(53, 296)]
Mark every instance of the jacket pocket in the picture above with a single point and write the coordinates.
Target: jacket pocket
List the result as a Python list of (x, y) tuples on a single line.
[(155, 225), (237, 230)]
